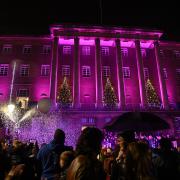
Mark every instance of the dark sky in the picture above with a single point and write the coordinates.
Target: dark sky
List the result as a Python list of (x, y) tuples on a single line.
[(34, 17)]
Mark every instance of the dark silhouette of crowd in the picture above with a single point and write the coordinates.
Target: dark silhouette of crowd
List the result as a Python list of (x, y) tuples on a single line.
[(129, 160)]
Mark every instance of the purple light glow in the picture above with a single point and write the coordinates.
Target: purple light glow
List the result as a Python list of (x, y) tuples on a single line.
[(42, 127)]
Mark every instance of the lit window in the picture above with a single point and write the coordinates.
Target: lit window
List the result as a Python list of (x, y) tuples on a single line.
[(126, 72), (178, 76), (4, 69), (66, 49), (86, 50), (106, 71), (88, 121), (91, 121), (105, 51), (27, 49), (84, 120), (143, 52), (146, 73), (24, 70), (46, 49), (65, 70), (124, 52), (45, 70), (86, 71), (165, 73), (23, 93), (177, 54), (161, 52), (7, 48)]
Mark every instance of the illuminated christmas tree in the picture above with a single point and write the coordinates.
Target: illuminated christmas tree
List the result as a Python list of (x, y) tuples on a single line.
[(152, 97), (109, 98), (64, 94)]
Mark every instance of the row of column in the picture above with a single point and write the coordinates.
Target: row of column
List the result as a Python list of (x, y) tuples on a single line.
[(98, 70)]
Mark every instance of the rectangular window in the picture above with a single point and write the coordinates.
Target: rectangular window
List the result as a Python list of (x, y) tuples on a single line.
[(177, 54), (86, 71), (7, 48), (46, 49), (65, 70), (105, 51), (126, 72), (27, 49), (86, 50), (165, 73), (124, 52), (178, 76), (161, 52), (143, 52), (146, 73), (45, 70), (24, 70), (4, 69), (23, 93), (106, 71), (66, 49)]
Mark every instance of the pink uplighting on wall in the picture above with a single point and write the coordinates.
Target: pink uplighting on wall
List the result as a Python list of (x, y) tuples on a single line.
[(107, 43), (127, 43), (86, 42), (66, 41), (146, 44)]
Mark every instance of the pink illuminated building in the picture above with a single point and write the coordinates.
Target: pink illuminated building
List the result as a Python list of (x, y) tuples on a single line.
[(87, 56)]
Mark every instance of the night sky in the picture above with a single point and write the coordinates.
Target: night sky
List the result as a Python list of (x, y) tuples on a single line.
[(34, 17)]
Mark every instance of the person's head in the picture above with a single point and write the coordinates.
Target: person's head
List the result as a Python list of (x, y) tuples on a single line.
[(124, 138), (89, 142), (59, 136), (138, 149), (165, 144), (139, 157), (17, 145), (133, 151), (65, 159)]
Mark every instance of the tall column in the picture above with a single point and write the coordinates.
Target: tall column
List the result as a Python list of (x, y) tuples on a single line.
[(162, 83), (120, 77), (76, 73), (54, 70), (99, 86), (140, 69)]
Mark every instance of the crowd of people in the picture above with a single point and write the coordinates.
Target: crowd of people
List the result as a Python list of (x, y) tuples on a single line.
[(130, 160)]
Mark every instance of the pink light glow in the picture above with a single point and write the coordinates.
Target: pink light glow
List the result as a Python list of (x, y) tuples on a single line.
[(66, 41), (107, 43), (101, 29), (127, 43), (86, 42), (146, 44)]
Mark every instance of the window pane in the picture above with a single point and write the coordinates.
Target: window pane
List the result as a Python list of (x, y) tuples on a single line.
[(66, 49), (106, 71), (126, 72), (86, 71), (45, 70), (23, 93), (4, 69), (24, 70), (86, 50), (65, 70), (105, 51)]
